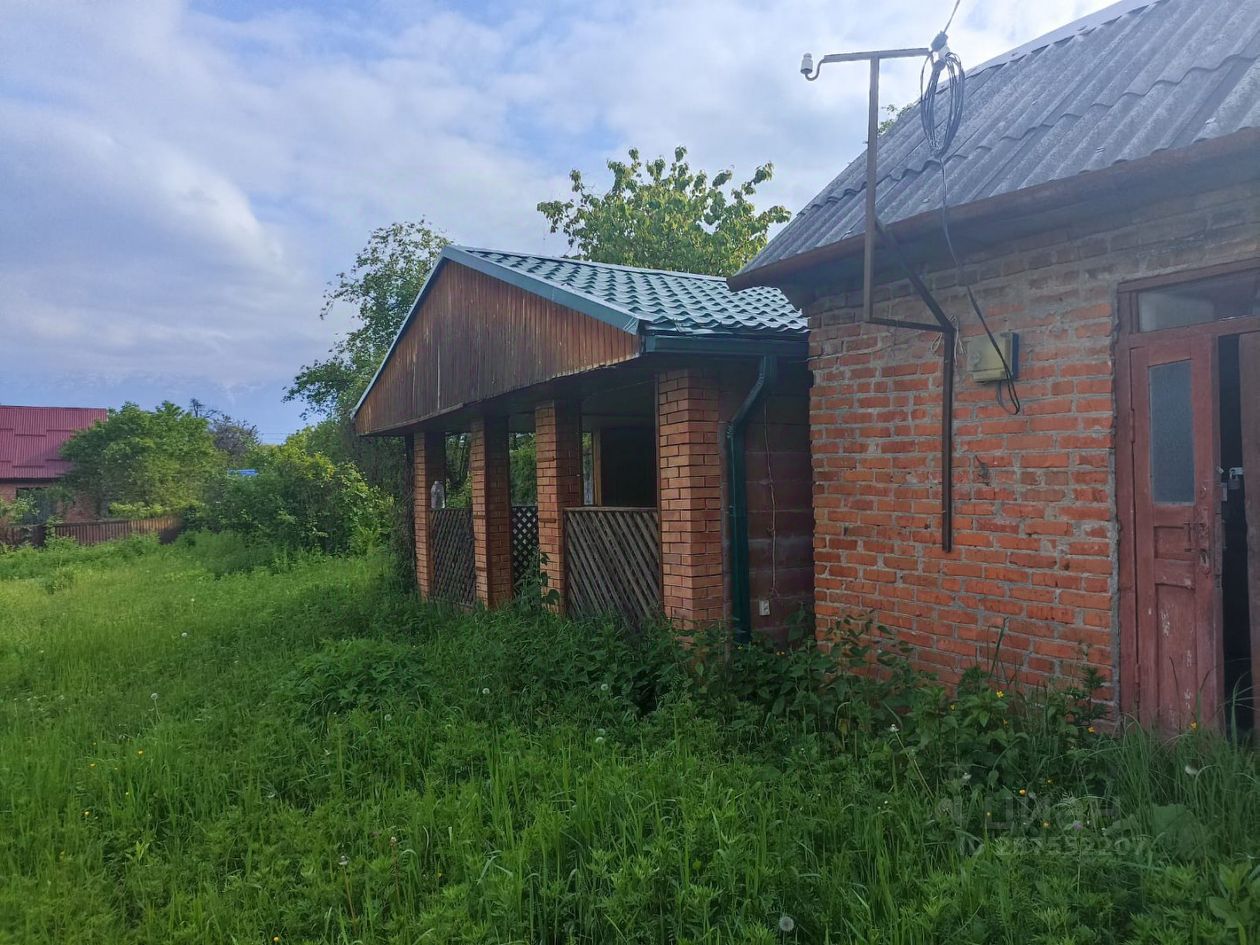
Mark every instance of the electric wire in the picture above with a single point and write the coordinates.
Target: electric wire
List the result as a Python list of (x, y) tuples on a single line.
[(940, 138)]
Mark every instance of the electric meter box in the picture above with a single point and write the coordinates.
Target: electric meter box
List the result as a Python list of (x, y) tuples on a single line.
[(984, 364)]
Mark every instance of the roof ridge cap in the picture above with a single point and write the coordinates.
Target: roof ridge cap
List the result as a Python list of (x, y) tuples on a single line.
[(477, 250)]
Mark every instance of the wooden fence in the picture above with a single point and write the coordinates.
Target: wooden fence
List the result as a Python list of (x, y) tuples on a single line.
[(92, 533), (524, 546), (451, 544), (614, 562)]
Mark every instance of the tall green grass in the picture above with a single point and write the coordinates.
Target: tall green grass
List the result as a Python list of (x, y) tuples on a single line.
[(213, 743)]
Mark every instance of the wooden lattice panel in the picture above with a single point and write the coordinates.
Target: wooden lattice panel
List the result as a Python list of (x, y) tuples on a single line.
[(614, 563), (524, 544), (451, 541)]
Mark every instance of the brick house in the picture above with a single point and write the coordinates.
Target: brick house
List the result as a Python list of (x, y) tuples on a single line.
[(670, 423), (1105, 195), (30, 448)]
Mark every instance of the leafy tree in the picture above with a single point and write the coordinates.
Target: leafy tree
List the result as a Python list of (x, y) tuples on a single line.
[(664, 215), (153, 459), (381, 285), (300, 499), (236, 438)]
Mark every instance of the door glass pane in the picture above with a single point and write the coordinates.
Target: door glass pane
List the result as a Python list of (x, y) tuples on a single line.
[(1193, 303), (1172, 433)]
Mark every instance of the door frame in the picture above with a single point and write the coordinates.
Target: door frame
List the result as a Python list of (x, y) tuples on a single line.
[(1129, 338)]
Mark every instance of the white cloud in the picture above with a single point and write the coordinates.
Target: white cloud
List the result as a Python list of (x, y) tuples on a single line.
[(177, 184)]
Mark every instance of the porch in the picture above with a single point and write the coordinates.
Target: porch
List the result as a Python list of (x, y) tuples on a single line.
[(670, 472)]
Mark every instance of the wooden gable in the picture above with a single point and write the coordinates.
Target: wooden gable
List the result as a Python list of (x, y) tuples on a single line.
[(475, 337)]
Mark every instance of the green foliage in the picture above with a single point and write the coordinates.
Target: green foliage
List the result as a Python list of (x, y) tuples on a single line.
[(197, 753), (381, 286), (161, 459), (18, 511), (299, 500), (664, 215)]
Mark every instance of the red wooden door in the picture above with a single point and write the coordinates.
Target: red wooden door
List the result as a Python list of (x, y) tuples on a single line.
[(1176, 516)]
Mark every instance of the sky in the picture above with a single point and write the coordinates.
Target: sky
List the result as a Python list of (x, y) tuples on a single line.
[(179, 181)]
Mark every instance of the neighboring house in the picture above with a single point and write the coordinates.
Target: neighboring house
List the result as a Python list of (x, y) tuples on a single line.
[(30, 448), (687, 402), (1105, 186)]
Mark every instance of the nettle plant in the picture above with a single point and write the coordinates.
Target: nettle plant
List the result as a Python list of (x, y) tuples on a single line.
[(858, 691)]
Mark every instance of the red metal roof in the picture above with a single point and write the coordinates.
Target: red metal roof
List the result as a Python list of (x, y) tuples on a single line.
[(31, 438)]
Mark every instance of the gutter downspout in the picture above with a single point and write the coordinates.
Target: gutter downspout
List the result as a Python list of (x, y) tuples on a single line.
[(737, 509)]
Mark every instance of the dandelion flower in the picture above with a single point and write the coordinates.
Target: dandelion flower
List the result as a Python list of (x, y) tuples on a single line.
[(153, 696), (1194, 726), (87, 813), (892, 728), (388, 717), (603, 687), (786, 923), (1091, 730), (139, 752), (599, 739), (344, 861), (1001, 694), (92, 764), (275, 938), (184, 636), (1045, 825), (1023, 792), (485, 691)]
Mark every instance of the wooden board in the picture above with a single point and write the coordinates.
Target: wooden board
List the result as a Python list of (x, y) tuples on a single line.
[(613, 557), (1249, 376)]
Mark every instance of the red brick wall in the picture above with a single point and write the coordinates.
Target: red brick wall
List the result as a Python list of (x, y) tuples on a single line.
[(693, 581), (558, 448), (491, 509), (80, 508), (1035, 509)]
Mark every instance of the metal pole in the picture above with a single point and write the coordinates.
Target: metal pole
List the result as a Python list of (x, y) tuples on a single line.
[(872, 167)]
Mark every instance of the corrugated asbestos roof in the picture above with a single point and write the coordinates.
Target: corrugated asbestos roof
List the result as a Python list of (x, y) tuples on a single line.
[(648, 301), (1128, 82), (31, 439)]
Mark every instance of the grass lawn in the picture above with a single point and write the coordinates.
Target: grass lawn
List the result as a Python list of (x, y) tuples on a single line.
[(208, 743)]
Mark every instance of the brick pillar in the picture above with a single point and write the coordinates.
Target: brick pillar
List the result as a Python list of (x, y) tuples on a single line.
[(692, 581), (558, 447), (428, 465), (489, 467)]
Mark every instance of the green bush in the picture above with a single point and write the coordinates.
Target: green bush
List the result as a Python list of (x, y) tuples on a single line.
[(299, 500)]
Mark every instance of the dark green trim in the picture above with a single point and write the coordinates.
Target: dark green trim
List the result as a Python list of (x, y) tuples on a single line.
[(734, 346), (737, 512)]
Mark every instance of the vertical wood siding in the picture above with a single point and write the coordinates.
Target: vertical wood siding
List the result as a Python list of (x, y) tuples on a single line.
[(476, 337)]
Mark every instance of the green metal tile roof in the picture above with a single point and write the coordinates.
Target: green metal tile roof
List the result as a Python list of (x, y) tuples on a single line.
[(645, 301), (665, 308)]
